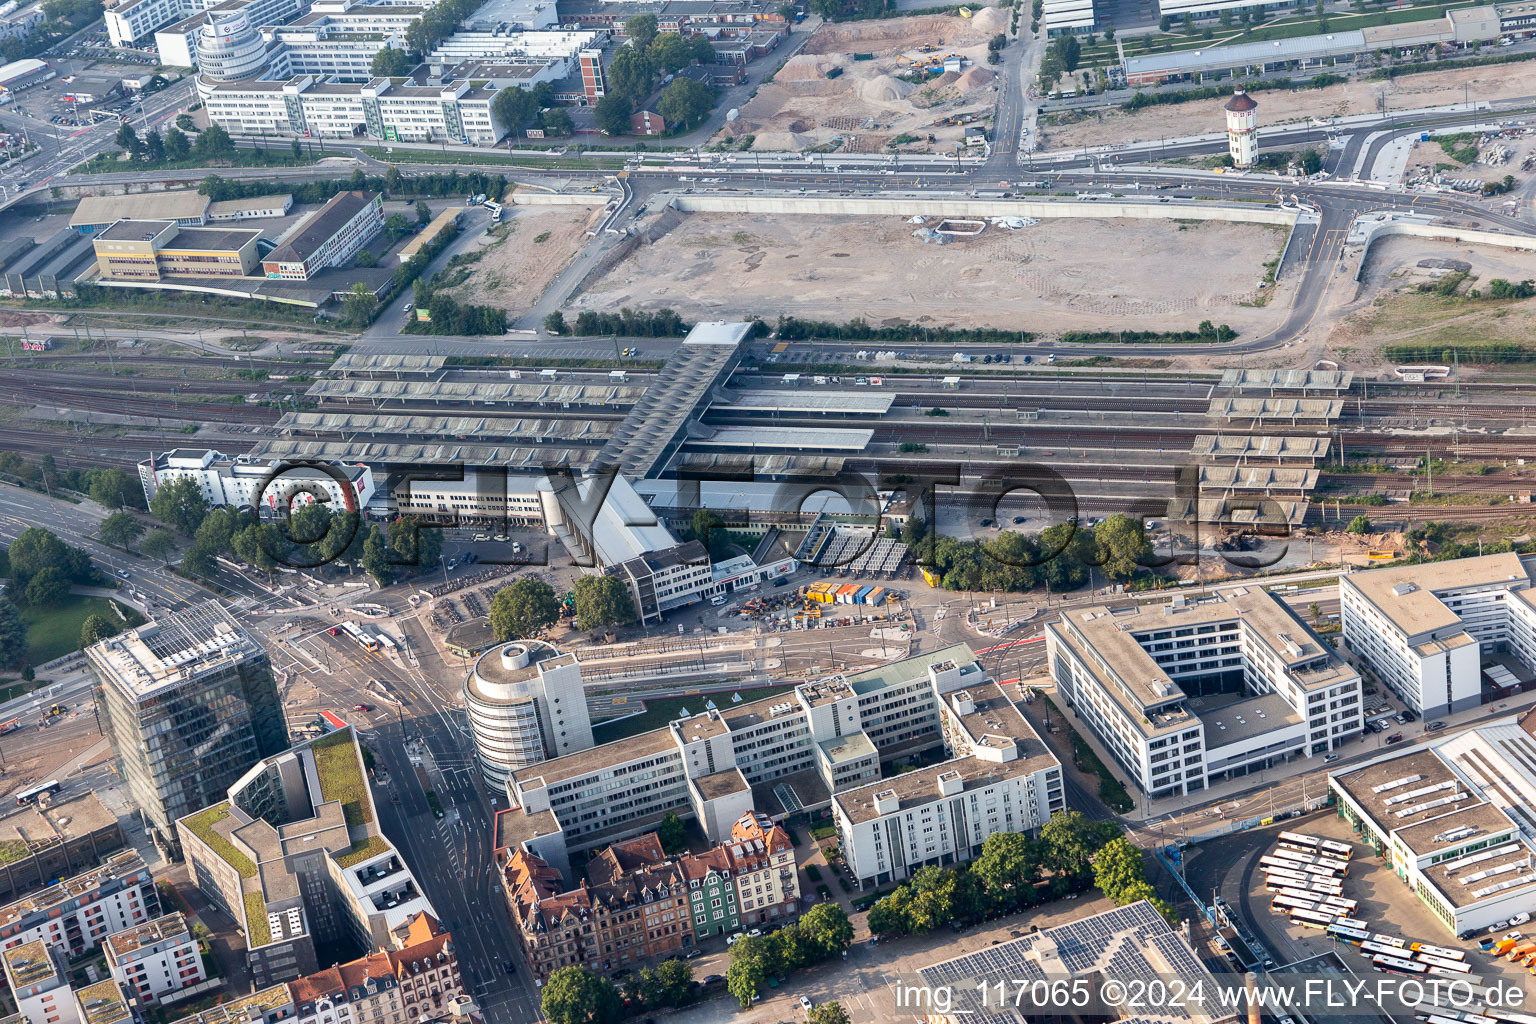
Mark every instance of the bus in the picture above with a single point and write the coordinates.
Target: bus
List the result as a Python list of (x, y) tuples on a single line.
[(1348, 932), (1339, 906), (1451, 965), (1285, 904), (1311, 861), (388, 641), (1353, 923), (1391, 940), (1311, 918), (27, 796), (1310, 892), (1378, 947), (1503, 1016), (1298, 841), (1280, 874), (1440, 951), (1305, 866), (364, 640), (1338, 851), (1396, 965)]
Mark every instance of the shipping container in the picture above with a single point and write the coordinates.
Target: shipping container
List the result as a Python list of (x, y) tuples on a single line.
[(845, 593), (861, 594), (876, 596)]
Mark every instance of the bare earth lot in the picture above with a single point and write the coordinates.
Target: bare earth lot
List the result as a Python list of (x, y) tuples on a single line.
[(1433, 89), (1057, 275), (866, 105), (1393, 311), (518, 265)]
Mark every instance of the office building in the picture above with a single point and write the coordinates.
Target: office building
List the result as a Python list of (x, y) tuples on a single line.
[(157, 958), (1454, 821), (152, 250), (526, 704), (799, 751), (189, 703), (1190, 692), (79, 913), (243, 482), (295, 854), (307, 106), (1426, 630), (330, 237)]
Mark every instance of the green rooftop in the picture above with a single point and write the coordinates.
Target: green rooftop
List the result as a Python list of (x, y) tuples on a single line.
[(202, 825), (362, 850), (257, 931), (341, 776)]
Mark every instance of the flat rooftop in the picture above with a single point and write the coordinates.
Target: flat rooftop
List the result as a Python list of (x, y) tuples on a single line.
[(1399, 791), (722, 784), (1244, 719), (595, 759), (130, 940), (29, 963), (124, 863), (481, 390), (913, 789), (1475, 823), (171, 649), (995, 717), (493, 669), (102, 1003), (703, 726), (212, 239), (842, 749), (808, 399), (1408, 595), (134, 230), (850, 439)]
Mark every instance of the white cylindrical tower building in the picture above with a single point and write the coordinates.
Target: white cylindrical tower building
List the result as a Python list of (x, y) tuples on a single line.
[(230, 48), (1242, 129), (526, 704)]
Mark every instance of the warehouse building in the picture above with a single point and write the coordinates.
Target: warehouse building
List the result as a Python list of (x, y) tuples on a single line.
[(1191, 692), (1455, 821), (153, 249)]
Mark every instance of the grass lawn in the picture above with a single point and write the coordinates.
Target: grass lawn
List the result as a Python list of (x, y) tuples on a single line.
[(659, 712), (55, 632)]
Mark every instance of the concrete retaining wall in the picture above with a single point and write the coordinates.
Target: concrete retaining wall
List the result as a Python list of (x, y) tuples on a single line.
[(1444, 233), (961, 207), (558, 198)]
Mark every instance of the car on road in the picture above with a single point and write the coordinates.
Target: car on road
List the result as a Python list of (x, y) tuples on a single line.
[(1434, 727), (756, 933), (506, 965), (1017, 520), (806, 1004), (1396, 737), (362, 707), (712, 979), (124, 574), (731, 940), (985, 522), (694, 952), (1330, 758)]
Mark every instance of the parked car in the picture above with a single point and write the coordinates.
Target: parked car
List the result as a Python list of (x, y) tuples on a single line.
[(1396, 737), (1434, 727), (1520, 918), (1330, 758), (806, 1004)]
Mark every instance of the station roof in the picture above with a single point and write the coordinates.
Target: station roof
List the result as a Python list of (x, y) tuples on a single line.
[(854, 440), (1276, 408), (1217, 58), (508, 392), (439, 454), (790, 400), (1258, 478), (358, 362), (752, 496), (1248, 446), (1226, 510), (1288, 380), (463, 428), (679, 392)]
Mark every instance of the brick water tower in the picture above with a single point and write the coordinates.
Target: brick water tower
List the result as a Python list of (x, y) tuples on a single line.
[(1242, 129)]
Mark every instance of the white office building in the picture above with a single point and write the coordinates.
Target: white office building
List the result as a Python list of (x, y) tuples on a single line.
[(130, 21), (307, 106), (154, 959), (18, 18), (1062, 16), (1425, 630), (240, 481), (799, 751), (1190, 692), (504, 46), (1454, 820), (526, 704)]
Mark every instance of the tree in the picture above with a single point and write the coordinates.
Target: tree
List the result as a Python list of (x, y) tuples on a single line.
[(1109, 33), (630, 73), (36, 549), (185, 123), (154, 146), (826, 928), (602, 601), (1311, 163), (1008, 863), (1122, 545), (254, 546), (523, 609), (199, 560), (1070, 840), (360, 305), (414, 542), (1117, 868), (364, 258), (641, 29), (375, 559), (672, 833), (1189, 24), (748, 973), (700, 48), (1358, 526), (94, 629), (555, 323), (391, 63), (669, 53), (111, 488), (1164, 23), (119, 530), (672, 984), (684, 103), (831, 1012), (177, 147), (157, 544), (295, 149), (557, 121), (218, 527), (128, 140), (13, 635), (574, 995), (48, 588), (180, 505), (214, 144), (612, 114), (423, 212), (514, 107), (889, 914)]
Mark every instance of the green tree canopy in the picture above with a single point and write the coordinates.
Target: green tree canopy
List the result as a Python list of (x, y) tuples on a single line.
[(641, 29), (120, 530), (826, 927), (830, 1012), (157, 544), (603, 601), (391, 63), (747, 976), (96, 628), (524, 609), (199, 560), (1122, 544), (1070, 840), (113, 488), (574, 995), (36, 549), (180, 505), (685, 103), (49, 587), (1358, 525), (672, 833), (13, 635), (1008, 863), (514, 108), (612, 113), (376, 558), (415, 542)]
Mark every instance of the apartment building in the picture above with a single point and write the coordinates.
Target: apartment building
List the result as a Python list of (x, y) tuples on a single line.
[(79, 913), (330, 237), (240, 481), (152, 960), (1426, 630), (1454, 820), (638, 904), (270, 1005), (35, 974), (188, 702), (1193, 691), (152, 250), (416, 980), (794, 752), (295, 854), (104, 1002)]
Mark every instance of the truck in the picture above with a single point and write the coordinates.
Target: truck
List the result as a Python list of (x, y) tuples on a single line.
[(10, 726)]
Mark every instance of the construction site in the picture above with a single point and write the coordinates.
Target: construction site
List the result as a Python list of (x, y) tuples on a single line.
[(909, 84), (1046, 277)]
